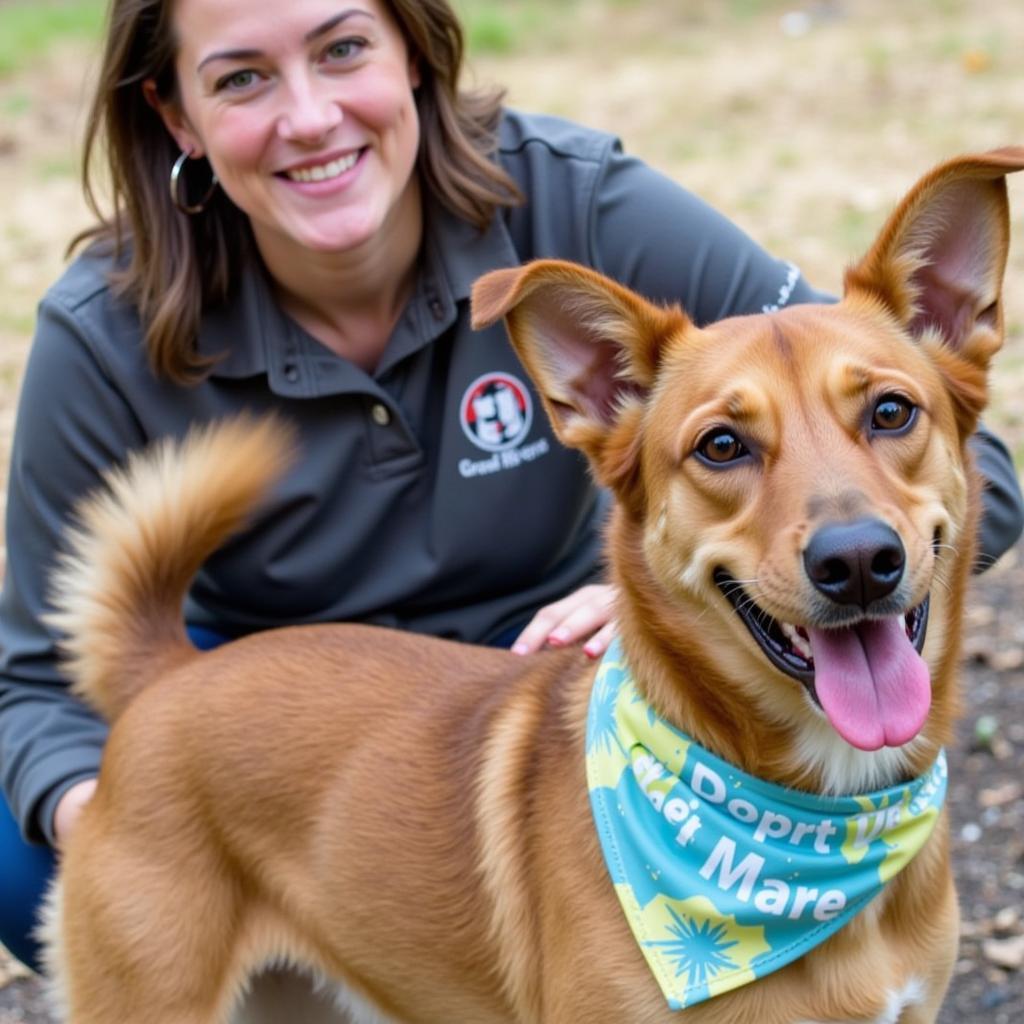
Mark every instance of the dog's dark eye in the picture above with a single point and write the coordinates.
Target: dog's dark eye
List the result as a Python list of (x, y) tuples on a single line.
[(720, 446), (893, 412)]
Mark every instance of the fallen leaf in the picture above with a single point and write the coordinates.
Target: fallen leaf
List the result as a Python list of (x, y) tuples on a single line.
[(1005, 953), (975, 61), (1007, 660), (999, 796)]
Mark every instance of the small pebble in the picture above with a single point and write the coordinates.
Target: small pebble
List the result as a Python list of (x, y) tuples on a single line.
[(1006, 920), (993, 997), (971, 832), (991, 816)]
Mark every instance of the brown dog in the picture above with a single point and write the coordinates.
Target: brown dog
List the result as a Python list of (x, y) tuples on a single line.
[(407, 819)]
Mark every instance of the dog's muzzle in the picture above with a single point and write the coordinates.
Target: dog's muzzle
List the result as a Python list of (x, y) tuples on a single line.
[(861, 660)]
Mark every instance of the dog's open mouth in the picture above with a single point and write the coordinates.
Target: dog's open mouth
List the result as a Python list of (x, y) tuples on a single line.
[(868, 677)]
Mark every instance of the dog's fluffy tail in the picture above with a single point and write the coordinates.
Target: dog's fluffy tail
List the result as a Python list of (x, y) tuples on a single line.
[(118, 591)]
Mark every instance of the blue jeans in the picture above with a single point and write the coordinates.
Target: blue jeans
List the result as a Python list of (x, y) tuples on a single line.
[(26, 869)]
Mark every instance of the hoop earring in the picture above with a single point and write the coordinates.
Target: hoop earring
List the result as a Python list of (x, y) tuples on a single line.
[(176, 197)]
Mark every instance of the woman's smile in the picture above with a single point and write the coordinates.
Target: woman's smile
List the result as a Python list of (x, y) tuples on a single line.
[(324, 170)]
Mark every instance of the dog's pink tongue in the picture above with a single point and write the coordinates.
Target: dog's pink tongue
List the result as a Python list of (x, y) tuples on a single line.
[(873, 685)]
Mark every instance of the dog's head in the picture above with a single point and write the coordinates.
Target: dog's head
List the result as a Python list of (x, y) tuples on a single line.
[(796, 512)]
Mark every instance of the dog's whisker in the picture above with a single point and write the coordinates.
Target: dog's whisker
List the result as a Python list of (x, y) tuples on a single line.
[(984, 561)]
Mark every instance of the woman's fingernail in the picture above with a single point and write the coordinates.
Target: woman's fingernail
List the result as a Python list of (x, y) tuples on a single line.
[(558, 637), (520, 648)]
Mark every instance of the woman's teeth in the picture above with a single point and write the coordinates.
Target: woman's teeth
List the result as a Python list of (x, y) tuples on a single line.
[(323, 172)]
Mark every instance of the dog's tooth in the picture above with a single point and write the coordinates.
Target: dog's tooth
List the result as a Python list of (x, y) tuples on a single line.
[(800, 645)]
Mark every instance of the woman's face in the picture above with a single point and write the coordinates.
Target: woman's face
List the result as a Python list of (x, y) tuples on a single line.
[(305, 110)]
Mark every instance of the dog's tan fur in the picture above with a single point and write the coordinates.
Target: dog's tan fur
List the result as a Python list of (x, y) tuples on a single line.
[(408, 817)]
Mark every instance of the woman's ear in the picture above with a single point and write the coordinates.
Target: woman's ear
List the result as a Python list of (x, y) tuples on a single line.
[(174, 119)]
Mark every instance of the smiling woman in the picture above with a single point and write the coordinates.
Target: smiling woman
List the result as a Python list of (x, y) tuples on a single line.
[(285, 105), (302, 195), (312, 133)]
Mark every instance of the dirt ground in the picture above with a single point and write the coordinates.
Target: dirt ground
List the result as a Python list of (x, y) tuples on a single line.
[(803, 123)]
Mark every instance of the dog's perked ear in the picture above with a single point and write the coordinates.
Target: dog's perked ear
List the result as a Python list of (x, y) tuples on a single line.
[(938, 265), (591, 346)]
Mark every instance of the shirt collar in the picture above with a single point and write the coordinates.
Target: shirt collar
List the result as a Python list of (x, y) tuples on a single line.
[(235, 334), (461, 252), (454, 255)]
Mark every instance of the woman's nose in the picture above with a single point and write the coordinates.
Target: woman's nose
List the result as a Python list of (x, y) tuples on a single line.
[(310, 112)]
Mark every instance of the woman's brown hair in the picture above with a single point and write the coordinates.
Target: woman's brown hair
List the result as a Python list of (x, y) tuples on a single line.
[(174, 266)]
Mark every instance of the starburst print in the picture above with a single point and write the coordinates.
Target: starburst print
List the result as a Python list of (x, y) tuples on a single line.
[(699, 950)]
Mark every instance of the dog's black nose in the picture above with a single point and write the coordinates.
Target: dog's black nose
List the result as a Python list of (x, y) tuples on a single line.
[(855, 563)]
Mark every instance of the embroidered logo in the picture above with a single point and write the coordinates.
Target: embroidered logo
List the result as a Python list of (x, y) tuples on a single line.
[(496, 412)]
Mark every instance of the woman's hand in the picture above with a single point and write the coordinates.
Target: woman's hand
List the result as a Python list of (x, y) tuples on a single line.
[(586, 612), (69, 807)]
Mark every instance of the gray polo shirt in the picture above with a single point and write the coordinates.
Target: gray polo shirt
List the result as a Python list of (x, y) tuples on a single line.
[(430, 494)]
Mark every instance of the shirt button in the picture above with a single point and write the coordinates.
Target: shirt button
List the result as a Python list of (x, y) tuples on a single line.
[(291, 372), (437, 309), (380, 414)]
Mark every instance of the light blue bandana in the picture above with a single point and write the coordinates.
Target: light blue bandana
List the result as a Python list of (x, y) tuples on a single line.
[(723, 877)]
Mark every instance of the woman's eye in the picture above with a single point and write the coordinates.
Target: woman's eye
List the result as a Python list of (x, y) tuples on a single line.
[(237, 80), (720, 447), (343, 49), (892, 412)]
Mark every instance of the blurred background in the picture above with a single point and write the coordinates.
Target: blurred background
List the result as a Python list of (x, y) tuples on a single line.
[(802, 122)]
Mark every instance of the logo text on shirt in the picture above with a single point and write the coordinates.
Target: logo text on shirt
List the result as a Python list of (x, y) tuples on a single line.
[(785, 290), (504, 460)]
